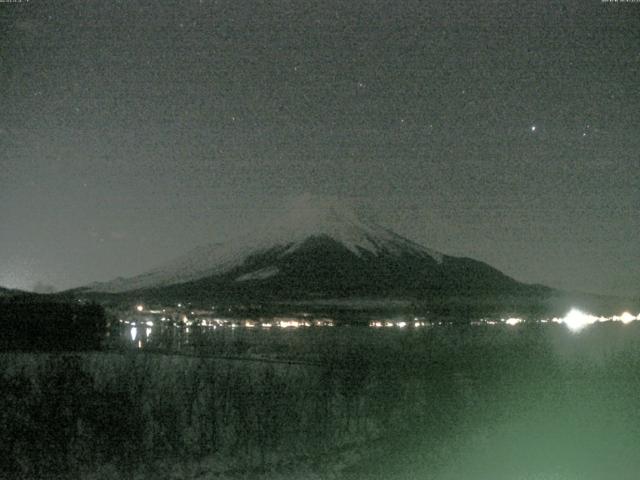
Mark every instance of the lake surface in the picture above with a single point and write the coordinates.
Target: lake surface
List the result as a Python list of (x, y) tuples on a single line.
[(444, 402)]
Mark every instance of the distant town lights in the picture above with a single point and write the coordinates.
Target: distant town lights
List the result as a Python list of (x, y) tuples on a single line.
[(134, 326)]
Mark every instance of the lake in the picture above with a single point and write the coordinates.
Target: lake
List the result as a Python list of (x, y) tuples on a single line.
[(507, 401)]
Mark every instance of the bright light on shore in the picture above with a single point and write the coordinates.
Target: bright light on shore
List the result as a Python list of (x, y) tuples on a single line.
[(576, 320), (140, 308), (513, 321), (625, 318)]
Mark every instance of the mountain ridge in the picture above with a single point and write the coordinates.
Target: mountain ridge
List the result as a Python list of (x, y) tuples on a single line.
[(317, 247), (304, 217)]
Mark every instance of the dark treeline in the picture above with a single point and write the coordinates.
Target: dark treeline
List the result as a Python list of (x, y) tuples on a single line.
[(50, 326)]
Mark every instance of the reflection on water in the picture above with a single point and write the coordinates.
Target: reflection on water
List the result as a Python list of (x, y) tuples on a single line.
[(144, 328), (167, 333), (175, 329)]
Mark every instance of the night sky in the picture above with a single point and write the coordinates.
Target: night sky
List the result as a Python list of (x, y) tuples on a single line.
[(506, 131)]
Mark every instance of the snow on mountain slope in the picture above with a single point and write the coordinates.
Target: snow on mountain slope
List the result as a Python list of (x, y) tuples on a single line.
[(310, 215), (259, 274), (301, 218)]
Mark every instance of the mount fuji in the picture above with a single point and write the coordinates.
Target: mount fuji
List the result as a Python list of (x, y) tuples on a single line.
[(316, 247)]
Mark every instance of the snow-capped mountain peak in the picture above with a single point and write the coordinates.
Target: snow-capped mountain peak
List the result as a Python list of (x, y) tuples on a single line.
[(286, 230), (311, 215), (340, 219)]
